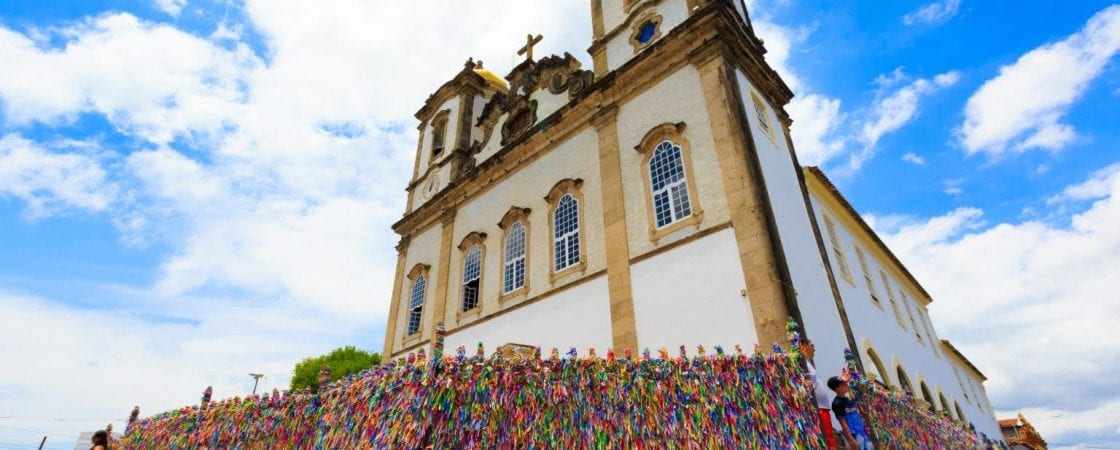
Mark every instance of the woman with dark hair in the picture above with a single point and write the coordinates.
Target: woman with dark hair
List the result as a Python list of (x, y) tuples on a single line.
[(100, 440)]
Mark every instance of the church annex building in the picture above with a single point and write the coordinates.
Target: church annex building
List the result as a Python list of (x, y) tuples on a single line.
[(653, 201)]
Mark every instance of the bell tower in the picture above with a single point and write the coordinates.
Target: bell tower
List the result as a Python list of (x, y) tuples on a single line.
[(622, 29)]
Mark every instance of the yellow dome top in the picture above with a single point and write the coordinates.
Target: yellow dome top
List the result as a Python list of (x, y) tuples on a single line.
[(491, 77)]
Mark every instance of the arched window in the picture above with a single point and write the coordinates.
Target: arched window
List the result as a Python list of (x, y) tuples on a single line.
[(879, 370), (903, 380), (668, 184), (513, 274), (928, 397), (960, 414), (472, 273), (439, 134), (565, 238), (944, 403), (416, 304), (667, 169)]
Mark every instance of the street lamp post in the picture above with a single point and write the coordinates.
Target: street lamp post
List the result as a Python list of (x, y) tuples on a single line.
[(256, 379)]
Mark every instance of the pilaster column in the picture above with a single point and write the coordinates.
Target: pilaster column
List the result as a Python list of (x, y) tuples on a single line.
[(624, 332)]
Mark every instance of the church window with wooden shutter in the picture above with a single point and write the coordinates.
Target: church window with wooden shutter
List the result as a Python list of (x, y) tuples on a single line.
[(910, 313), (763, 115), (838, 250), (894, 302), (439, 134), (867, 277), (416, 304), (472, 274)]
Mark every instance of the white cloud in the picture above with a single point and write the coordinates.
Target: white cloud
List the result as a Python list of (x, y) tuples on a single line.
[(817, 117), (1028, 302), (171, 7), (817, 120), (1098, 185), (912, 158), (1021, 108), (51, 182), (152, 81), (933, 13), (895, 109)]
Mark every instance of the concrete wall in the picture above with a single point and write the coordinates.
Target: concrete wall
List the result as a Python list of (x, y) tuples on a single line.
[(576, 158), (803, 257), (674, 99), (693, 295), (577, 317)]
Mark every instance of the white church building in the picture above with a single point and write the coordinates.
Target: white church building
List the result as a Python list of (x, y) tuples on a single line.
[(653, 201)]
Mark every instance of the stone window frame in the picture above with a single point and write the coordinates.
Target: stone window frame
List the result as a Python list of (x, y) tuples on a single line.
[(566, 187), (672, 132), (514, 215), (877, 362), (762, 113), (470, 241), (439, 124), (838, 252), (960, 412), (861, 256), (650, 16), (904, 379), (418, 271)]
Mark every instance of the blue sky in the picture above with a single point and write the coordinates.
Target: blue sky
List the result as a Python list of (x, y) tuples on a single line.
[(194, 190)]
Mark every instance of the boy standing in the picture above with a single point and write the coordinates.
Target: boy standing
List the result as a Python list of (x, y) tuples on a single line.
[(850, 422)]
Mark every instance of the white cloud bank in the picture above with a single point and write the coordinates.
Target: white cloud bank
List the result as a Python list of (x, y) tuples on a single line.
[(1031, 303), (1022, 107)]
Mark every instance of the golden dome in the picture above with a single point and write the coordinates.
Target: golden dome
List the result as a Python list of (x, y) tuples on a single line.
[(491, 77)]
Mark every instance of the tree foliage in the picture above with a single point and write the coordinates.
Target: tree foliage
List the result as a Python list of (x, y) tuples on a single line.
[(342, 361)]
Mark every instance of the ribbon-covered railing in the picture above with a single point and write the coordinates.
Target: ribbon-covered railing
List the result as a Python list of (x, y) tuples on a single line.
[(896, 420), (706, 401)]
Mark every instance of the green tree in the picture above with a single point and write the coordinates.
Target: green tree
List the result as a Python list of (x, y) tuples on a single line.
[(342, 361)]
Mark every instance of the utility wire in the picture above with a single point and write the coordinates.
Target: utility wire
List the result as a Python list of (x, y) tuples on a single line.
[(1059, 444), (37, 432)]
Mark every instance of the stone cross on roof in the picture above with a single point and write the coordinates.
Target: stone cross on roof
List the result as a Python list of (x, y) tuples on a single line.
[(527, 50)]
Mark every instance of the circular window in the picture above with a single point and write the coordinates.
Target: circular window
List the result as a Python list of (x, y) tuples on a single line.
[(646, 31)]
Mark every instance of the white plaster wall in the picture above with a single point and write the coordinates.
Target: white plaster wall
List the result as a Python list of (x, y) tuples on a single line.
[(548, 103), (803, 257), (612, 14), (693, 295), (577, 317), (619, 50), (674, 99), (890, 341), (576, 158), (494, 144), (476, 111), (422, 249), (444, 174)]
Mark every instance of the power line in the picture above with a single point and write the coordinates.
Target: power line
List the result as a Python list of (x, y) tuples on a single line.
[(36, 432), (1059, 444)]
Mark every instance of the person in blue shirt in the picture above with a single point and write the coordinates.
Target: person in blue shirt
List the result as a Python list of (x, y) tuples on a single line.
[(851, 424)]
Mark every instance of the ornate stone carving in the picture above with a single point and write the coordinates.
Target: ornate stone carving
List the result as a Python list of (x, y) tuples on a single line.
[(522, 117)]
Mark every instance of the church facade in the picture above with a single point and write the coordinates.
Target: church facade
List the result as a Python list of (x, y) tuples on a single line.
[(654, 200)]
